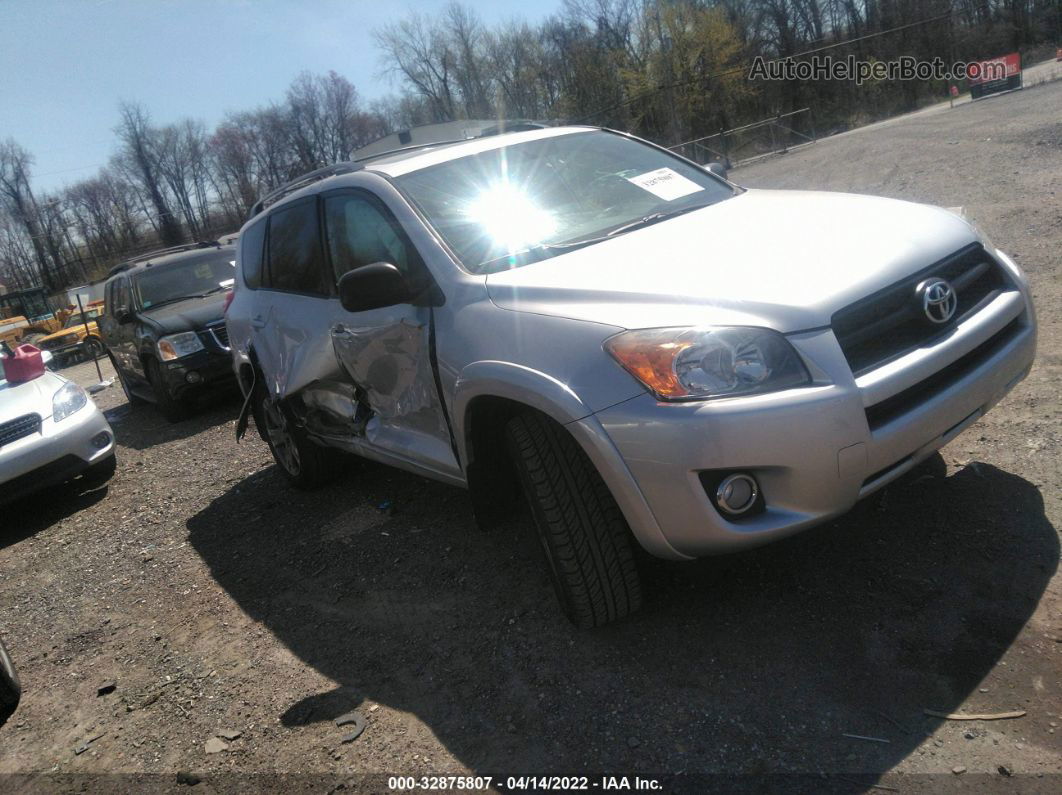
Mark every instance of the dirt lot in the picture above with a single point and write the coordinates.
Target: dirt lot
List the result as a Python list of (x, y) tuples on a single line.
[(219, 600)]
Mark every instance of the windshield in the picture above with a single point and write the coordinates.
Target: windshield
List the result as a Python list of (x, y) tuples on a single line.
[(191, 277), (512, 206), (79, 319)]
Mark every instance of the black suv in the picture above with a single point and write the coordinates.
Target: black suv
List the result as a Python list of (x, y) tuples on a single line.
[(164, 325)]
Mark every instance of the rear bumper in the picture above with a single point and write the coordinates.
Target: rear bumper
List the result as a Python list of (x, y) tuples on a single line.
[(815, 451), (60, 452)]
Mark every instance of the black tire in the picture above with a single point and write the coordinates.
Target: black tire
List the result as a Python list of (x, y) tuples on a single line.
[(172, 409), (94, 348), (98, 474), (586, 540), (305, 465), (10, 689)]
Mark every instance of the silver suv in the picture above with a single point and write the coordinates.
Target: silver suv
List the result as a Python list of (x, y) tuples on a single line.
[(646, 351)]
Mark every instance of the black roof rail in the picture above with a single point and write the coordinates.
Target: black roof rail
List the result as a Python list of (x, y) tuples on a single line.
[(334, 170), (138, 258), (301, 182)]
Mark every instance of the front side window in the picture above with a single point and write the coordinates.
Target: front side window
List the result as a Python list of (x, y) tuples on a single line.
[(361, 231), (295, 257), (190, 277), (121, 295), (515, 205)]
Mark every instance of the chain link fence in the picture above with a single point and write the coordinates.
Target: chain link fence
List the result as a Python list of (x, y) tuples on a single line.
[(751, 141)]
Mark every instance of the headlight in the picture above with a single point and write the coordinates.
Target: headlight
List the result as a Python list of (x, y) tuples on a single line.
[(691, 363), (177, 345), (69, 399)]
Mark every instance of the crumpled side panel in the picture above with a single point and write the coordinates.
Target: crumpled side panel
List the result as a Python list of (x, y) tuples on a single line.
[(391, 365)]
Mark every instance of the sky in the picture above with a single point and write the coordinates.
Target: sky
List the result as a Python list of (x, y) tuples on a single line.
[(66, 64)]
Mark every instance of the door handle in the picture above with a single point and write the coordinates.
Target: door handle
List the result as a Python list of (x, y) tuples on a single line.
[(258, 322)]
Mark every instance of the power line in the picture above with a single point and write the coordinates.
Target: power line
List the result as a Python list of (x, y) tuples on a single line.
[(737, 69)]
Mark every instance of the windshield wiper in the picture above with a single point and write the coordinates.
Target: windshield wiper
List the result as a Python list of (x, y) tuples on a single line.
[(546, 248), (186, 297), (654, 218)]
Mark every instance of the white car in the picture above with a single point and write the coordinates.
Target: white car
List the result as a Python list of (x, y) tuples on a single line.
[(654, 355), (51, 432)]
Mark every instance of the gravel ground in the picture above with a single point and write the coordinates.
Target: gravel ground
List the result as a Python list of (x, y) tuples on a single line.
[(218, 600)]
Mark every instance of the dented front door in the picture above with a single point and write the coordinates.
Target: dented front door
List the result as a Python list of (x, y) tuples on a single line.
[(386, 354)]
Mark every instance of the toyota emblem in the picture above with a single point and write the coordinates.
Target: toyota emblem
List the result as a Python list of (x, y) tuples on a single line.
[(938, 300)]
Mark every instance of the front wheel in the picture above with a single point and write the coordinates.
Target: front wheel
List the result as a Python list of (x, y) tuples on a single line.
[(584, 536), (306, 465), (172, 408)]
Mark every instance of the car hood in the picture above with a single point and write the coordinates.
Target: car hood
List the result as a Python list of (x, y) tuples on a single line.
[(188, 315), (786, 260), (29, 397)]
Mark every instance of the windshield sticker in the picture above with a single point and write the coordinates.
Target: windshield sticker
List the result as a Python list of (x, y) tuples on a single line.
[(666, 184), (204, 271)]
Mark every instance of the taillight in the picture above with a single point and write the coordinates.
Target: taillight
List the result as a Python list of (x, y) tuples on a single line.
[(228, 301)]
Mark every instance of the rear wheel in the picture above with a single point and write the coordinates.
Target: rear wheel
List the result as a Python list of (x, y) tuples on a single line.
[(306, 465), (584, 536), (172, 408), (10, 689)]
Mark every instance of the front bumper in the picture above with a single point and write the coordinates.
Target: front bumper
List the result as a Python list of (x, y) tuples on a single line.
[(201, 372), (815, 451), (59, 452)]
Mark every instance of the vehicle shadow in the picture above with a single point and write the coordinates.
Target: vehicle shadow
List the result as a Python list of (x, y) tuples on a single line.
[(29, 515), (142, 426), (746, 665)]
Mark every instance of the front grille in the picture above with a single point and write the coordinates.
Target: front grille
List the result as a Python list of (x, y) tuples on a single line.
[(890, 323), (219, 335), (19, 428), (899, 404)]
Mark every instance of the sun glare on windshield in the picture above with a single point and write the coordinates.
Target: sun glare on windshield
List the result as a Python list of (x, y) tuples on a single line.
[(510, 218)]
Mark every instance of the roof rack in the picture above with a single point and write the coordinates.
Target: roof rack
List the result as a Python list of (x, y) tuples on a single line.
[(138, 258), (334, 170), (301, 182)]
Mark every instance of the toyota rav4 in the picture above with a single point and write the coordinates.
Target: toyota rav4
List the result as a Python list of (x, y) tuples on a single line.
[(649, 353)]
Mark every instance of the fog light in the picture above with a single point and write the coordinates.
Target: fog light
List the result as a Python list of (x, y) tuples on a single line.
[(192, 377), (101, 440), (737, 493)]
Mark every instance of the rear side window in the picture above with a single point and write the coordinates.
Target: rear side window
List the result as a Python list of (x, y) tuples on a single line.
[(296, 262), (252, 243)]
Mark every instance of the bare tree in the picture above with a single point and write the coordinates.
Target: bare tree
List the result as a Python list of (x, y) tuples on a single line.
[(16, 199), (140, 147)]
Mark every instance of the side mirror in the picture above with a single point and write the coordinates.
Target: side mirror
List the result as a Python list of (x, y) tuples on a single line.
[(717, 168), (373, 286), (123, 315)]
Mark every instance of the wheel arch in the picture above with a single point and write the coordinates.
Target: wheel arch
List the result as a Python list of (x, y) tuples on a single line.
[(488, 394)]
